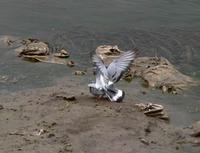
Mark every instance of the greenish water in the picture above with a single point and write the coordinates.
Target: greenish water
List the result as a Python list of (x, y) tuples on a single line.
[(169, 28)]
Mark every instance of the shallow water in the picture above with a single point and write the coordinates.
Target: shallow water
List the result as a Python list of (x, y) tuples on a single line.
[(169, 28)]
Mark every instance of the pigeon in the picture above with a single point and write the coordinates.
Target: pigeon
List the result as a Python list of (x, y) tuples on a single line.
[(108, 75)]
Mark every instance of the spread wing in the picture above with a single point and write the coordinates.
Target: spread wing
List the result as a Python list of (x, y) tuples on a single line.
[(116, 68), (100, 65), (120, 65)]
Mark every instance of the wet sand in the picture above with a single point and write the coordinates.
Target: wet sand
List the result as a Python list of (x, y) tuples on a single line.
[(42, 120)]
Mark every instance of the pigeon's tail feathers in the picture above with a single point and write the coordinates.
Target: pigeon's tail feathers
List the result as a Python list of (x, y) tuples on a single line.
[(115, 95)]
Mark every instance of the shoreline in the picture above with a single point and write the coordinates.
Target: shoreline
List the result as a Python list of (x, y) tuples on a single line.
[(41, 120)]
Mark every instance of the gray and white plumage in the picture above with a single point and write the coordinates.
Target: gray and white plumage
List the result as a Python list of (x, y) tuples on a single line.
[(106, 76)]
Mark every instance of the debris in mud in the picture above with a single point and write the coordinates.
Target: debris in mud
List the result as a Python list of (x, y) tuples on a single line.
[(80, 72), (40, 132), (157, 72), (64, 97), (153, 110)]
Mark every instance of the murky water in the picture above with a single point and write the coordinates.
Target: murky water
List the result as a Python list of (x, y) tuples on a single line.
[(169, 28)]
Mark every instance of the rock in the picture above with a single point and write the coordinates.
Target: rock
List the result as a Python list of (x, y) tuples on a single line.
[(62, 54), (33, 47), (153, 110), (106, 50), (196, 129), (160, 73), (71, 63), (35, 50)]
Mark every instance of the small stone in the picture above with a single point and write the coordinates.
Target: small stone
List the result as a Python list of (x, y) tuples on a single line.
[(71, 63), (62, 54), (144, 141)]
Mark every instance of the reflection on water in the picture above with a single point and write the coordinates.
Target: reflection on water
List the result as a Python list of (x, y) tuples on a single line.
[(167, 28)]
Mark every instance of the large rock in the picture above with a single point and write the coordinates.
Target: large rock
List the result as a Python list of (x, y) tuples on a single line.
[(158, 72), (33, 47)]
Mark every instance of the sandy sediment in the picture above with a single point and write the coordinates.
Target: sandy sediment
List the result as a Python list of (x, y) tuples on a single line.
[(50, 120)]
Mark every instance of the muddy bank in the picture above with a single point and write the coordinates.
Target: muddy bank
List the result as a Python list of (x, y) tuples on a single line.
[(44, 120)]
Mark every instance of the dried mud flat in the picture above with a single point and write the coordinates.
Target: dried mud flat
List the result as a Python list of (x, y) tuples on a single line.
[(47, 120)]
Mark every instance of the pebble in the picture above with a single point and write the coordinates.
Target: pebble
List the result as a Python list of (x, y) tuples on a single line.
[(144, 141)]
